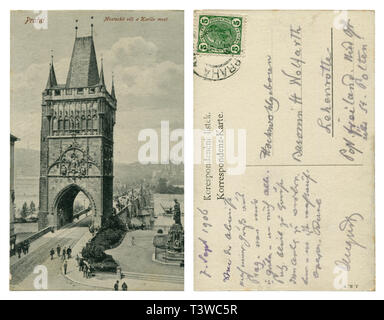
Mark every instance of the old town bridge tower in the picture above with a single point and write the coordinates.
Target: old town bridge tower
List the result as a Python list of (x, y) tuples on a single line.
[(76, 153)]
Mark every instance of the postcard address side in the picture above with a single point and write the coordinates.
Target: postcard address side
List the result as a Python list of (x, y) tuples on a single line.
[(284, 191)]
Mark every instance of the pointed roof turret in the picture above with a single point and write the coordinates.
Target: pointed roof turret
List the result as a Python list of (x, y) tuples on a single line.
[(101, 81), (52, 76)]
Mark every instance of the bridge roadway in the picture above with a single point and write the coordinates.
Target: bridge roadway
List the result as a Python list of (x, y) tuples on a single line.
[(22, 270)]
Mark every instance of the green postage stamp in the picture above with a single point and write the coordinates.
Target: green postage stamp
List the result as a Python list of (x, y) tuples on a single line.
[(220, 35)]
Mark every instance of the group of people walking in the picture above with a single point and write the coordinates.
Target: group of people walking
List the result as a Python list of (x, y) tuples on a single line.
[(64, 253), (124, 286), (23, 248), (84, 267)]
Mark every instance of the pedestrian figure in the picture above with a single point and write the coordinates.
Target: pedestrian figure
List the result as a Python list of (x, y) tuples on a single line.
[(124, 286), (64, 253), (23, 248), (81, 265), (90, 270), (27, 244), (58, 250), (85, 271), (19, 250), (133, 241), (69, 252), (116, 286), (77, 260), (52, 253), (65, 266)]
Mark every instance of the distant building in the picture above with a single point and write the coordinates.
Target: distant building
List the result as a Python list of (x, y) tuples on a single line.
[(12, 194)]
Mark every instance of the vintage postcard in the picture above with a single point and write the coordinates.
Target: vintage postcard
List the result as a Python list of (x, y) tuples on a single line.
[(97, 174), (284, 150)]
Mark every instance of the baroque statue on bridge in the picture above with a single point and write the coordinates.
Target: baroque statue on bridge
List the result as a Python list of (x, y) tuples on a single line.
[(177, 212)]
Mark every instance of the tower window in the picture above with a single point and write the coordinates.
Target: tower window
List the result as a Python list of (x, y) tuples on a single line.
[(80, 91), (89, 123), (83, 123), (95, 122), (55, 126)]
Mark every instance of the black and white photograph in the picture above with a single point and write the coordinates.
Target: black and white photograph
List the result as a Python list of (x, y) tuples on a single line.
[(97, 177)]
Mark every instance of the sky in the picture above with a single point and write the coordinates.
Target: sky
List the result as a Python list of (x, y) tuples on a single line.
[(146, 57)]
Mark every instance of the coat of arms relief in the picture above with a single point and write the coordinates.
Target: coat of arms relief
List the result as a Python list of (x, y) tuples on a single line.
[(74, 161)]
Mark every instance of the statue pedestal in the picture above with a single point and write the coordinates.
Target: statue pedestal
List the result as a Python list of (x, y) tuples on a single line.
[(176, 238), (174, 256), (169, 249), (175, 246)]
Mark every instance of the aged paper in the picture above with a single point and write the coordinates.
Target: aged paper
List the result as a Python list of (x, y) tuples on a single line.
[(284, 150)]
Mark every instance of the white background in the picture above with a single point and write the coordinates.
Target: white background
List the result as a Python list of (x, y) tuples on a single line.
[(188, 7)]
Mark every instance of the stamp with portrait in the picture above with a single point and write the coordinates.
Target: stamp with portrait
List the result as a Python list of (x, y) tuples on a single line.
[(220, 35)]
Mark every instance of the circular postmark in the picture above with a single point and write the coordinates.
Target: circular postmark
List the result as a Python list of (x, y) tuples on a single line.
[(215, 68)]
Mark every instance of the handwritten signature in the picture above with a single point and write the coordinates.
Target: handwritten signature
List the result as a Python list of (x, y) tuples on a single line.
[(348, 225)]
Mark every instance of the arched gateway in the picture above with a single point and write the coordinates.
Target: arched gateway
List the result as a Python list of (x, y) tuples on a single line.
[(64, 201), (76, 153)]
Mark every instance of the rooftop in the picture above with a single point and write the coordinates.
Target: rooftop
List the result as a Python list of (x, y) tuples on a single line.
[(83, 70)]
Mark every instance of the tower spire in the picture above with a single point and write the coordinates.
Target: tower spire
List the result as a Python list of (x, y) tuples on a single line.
[(52, 76), (76, 27), (83, 70), (113, 87), (101, 82), (92, 26)]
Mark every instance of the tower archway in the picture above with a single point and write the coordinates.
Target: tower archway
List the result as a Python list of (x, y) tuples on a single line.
[(64, 206), (76, 144)]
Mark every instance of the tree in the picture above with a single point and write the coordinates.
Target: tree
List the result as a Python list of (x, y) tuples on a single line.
[(24, 211), (32, 207)]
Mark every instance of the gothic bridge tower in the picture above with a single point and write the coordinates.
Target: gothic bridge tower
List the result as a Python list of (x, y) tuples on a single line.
[(76, 153)]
